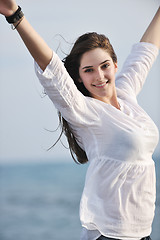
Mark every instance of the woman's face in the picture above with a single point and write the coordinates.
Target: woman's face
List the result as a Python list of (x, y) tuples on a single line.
[(97, 73)]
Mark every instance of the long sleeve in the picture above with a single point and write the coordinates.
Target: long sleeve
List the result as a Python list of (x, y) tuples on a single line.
[(136, 67), (62, 91)]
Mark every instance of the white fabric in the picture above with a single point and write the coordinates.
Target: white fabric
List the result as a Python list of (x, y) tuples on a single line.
[(119, 193)]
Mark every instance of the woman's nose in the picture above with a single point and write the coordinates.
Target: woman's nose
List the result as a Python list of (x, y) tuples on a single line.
[(99, 75)]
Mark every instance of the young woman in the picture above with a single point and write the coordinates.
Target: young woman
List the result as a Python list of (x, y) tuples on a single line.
[(104, 125)]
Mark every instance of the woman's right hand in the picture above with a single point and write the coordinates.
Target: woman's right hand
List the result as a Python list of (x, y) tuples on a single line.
[(8, 7)]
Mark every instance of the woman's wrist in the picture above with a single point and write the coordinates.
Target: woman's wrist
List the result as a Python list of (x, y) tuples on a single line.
[(12, 11), (15, 18)]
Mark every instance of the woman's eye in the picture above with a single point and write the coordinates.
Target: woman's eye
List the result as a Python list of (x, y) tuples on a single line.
[(105, 65), (88, 70)]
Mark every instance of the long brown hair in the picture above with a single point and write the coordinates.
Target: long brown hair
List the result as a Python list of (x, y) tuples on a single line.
[(84, 43)]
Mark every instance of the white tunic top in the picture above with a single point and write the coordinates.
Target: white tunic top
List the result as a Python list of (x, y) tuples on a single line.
[(119, 193)]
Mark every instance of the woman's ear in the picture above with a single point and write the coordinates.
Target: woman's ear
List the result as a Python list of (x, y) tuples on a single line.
[(79, 80), (116, 66)]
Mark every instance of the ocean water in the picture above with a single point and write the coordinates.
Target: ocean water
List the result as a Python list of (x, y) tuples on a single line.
[(41, 201)]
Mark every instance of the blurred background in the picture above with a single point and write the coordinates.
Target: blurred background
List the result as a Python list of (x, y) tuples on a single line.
[(40, 190)]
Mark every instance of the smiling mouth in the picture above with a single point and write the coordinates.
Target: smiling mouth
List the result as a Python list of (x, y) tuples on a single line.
[(101, 85)]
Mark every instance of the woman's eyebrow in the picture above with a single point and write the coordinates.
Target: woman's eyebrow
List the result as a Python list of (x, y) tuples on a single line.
[(87, 67), (99, 64), (104, 62)]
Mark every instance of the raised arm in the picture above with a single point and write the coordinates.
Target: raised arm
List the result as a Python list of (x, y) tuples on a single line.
[(152, 34), (35, 44)]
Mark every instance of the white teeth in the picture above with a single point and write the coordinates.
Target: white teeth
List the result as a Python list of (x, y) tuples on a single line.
[(100, 85)]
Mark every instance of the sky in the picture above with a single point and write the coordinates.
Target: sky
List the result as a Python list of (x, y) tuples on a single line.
[(28, 119)]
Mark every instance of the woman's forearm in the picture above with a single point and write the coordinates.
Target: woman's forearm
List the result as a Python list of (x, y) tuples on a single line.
[(152, 34), (34, 43)]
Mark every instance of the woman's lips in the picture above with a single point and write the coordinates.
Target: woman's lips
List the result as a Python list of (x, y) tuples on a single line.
[(101, 85)]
